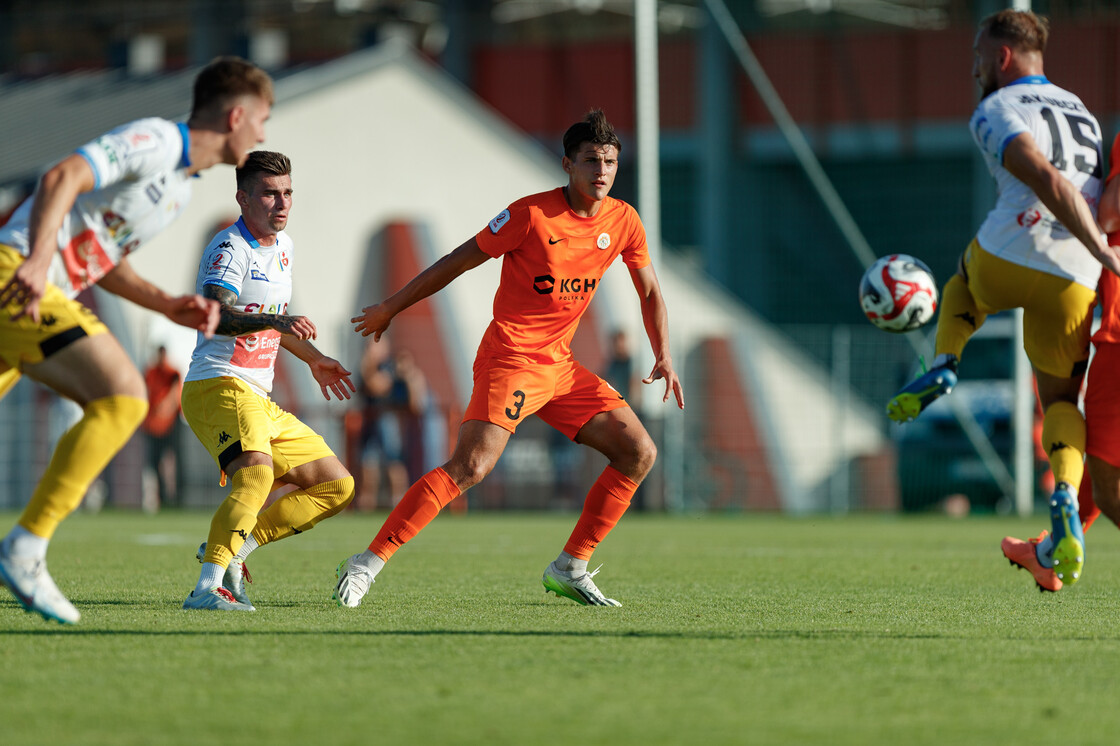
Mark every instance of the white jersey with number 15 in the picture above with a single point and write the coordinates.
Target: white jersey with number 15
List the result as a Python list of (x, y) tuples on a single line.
[(1020, 228)]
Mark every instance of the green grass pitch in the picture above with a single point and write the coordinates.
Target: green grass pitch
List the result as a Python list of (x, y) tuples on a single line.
[(735, 630)]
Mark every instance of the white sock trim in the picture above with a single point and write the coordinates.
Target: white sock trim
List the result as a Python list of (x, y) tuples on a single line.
[(249, 545), (23, 544), (371, 562), (209, 577), (569, 564)]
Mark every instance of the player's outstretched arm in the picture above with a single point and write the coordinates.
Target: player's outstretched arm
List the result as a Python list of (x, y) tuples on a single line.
[(328, 372), (375, 319), (655, 317), (237, 323), (54, 197), (1025, 162), (191, 311)]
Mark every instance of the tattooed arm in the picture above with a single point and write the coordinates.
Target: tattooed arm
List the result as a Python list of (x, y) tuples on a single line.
[(235, 323)]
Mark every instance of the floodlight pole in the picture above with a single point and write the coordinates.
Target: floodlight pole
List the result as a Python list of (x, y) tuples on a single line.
[(1022, 413), (647, 124)]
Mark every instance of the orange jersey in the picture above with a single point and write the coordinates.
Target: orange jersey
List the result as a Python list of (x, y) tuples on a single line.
[(1108, 287), (553, 261)]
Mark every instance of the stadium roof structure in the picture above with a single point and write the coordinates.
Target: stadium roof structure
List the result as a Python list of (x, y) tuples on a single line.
[(43, 120), (46, 119)]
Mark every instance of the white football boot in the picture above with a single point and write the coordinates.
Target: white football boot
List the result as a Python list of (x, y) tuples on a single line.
[(34, 589), (354, 581), (578, 587), (235, 577), (218, 599)]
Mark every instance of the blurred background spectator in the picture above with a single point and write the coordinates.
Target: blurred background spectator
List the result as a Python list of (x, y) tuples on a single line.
[(161, 431), (395, 399)]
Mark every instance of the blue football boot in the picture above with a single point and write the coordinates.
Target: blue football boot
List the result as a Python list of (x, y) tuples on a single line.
[(911, 399), (1069, 541)]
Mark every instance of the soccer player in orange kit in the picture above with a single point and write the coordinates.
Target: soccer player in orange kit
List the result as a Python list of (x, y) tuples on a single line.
[(1100, 488), (555, 247)]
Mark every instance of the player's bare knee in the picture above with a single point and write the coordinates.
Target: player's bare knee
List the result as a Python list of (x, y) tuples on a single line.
[(469, 471), (475, 474), (645, 456), (127, 381), (636, 458)]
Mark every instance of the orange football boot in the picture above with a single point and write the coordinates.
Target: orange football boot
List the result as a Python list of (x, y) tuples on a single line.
[(1022, 553)]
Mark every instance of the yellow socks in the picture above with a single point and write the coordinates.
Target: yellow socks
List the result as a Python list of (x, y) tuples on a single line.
[(298, 511), (1063, 437), (81, 454), (959, 317), (237, 515)]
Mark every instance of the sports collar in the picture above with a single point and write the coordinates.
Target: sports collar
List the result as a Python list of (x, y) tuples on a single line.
[(185, 161), (244, 230), (1030, 79)]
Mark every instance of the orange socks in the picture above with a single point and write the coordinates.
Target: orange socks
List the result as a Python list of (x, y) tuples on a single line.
[(420, 504), (607, 500)]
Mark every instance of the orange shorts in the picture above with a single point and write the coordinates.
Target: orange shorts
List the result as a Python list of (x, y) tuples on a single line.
[(1102, 405), (565, 395)]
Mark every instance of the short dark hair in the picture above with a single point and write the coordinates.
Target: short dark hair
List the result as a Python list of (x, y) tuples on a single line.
[(262, 162), (594, 129), (1021, 29), (225, 79)]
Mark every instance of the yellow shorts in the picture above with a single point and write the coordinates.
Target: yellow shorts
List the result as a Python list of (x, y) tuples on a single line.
[(565, 395), (230, 418), (1057, 312), (61, 321)]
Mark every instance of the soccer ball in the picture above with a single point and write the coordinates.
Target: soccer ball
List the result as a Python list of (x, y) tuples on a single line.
[(898, 293)]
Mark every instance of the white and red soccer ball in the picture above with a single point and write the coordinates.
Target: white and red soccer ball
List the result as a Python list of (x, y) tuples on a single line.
[(898, 293)]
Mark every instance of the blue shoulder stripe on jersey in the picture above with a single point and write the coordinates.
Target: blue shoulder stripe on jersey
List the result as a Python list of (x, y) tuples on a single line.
[(226, 285), (92, 167), (185, 161), (244, 230), (1003, 145), (1030, 79)]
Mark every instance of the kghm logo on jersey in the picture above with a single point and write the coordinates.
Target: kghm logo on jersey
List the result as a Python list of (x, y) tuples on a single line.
[(544, 284), (497, 223), (571, 288)]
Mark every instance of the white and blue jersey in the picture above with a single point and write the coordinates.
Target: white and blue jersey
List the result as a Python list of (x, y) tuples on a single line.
[(1020, 228), (140, 186), (261, 276)]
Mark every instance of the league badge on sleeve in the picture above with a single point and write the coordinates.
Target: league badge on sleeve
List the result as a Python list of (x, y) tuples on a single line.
[(497, 223)]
